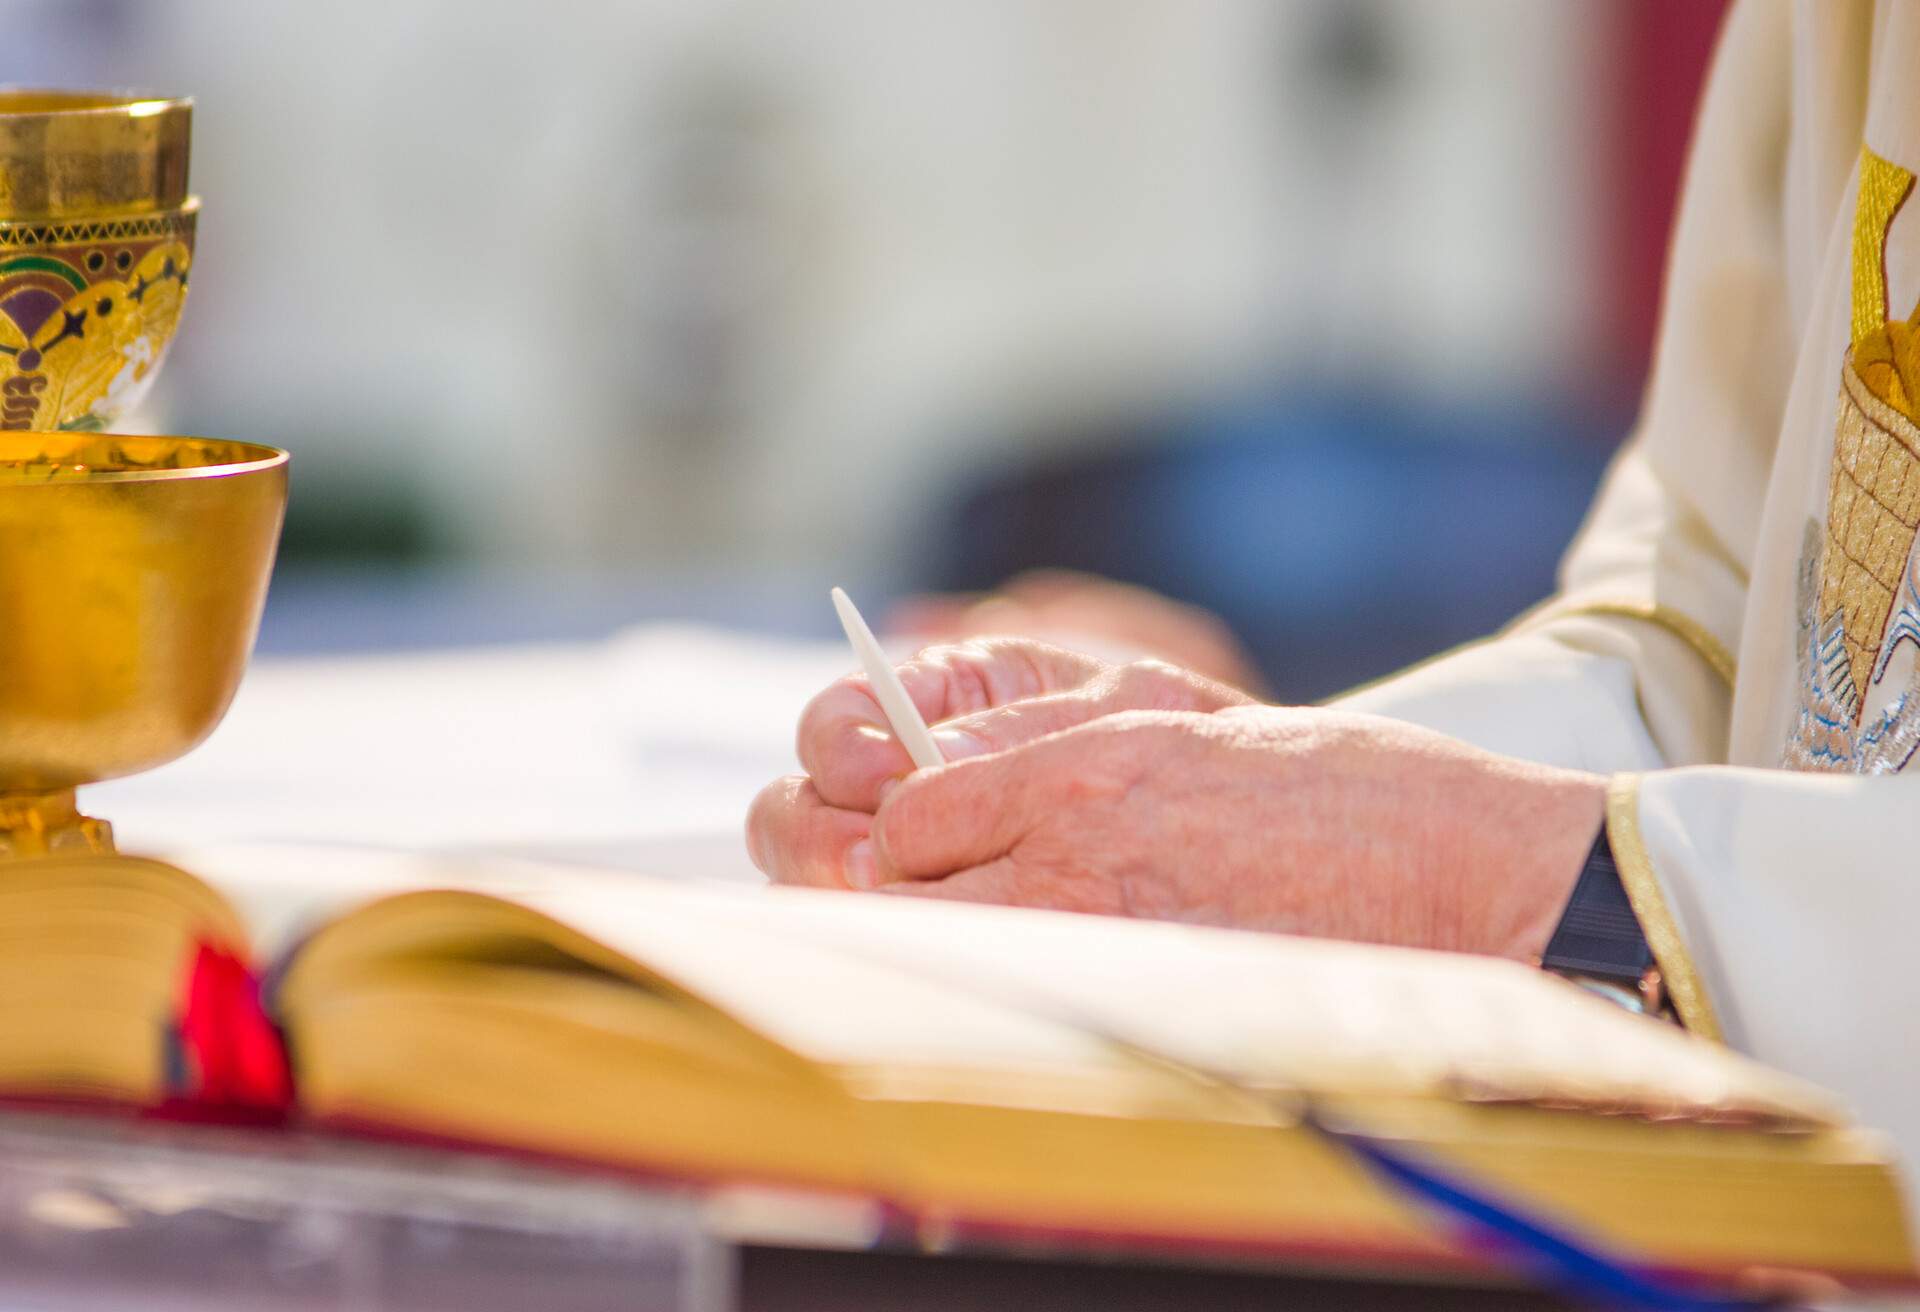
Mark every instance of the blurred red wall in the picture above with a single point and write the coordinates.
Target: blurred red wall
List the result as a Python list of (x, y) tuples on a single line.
[(1663, 50)]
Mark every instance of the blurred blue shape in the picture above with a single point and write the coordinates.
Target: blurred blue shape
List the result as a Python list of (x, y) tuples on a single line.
[(1341, 536)]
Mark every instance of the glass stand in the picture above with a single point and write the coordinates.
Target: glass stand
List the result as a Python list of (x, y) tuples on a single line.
[(99, 1215)]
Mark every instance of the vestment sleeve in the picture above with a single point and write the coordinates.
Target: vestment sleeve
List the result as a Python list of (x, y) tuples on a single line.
[(1629, 666), (1734, 874)]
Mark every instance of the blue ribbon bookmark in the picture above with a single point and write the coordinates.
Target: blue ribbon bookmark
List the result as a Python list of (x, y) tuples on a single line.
[(1551, 1256), (1548, 1255)]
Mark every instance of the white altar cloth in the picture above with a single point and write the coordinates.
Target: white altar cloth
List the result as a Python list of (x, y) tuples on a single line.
[(642, 750)]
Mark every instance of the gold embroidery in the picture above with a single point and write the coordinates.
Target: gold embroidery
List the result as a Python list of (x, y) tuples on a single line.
[(1873, 511), (1683, 982), (1683, 626), (1883, 188), (1873, 491)]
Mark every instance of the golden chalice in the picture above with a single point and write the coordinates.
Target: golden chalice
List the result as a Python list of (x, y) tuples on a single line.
[(96, 245), (132, 569), (132, 574)]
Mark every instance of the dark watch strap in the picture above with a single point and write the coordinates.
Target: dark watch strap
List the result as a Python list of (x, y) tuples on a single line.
[(1599, 937)]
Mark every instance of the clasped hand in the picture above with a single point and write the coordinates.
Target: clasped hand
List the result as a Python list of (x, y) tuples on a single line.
[(1146, 790)]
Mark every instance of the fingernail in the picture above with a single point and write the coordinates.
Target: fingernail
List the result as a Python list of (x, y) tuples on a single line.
[(956, 745), (862, 870), (887, 786)]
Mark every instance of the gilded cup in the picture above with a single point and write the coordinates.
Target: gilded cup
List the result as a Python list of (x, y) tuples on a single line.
[(96, 250), (133, 571)]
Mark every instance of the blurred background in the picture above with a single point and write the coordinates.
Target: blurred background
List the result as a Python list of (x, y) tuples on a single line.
[(1325, 314)]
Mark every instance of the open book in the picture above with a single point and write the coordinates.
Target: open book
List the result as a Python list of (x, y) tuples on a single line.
[(973, 1071)]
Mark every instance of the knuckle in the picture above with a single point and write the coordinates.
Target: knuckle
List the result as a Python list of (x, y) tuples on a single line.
[(1018, 668), (1157, 685), (940, 660), (1149, 670), (970, 676), (939, 653), (964, 672)]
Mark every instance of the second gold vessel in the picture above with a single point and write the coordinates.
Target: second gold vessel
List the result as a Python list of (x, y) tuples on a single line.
[(97, 235)]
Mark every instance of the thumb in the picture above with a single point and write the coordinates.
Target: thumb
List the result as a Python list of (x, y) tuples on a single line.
[(958, 816)]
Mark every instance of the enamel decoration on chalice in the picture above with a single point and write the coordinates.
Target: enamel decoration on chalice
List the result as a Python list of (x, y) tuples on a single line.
[(132, 569)]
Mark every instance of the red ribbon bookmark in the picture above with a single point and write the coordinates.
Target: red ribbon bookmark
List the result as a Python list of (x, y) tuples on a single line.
[(233, 1046)]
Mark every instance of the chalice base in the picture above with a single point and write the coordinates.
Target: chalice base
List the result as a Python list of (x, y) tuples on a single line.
[(49, 824)]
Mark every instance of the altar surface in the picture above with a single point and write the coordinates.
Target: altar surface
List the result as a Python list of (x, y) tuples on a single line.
[(640, 749)]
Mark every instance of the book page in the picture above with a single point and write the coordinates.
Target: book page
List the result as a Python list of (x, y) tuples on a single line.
[(891, 984), (284, 890), (881, 982)]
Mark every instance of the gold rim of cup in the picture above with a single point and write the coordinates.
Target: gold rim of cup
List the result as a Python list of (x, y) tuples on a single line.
[(65, 459), (68, 154)]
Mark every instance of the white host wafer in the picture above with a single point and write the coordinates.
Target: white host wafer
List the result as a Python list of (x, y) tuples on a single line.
[(902, 714)]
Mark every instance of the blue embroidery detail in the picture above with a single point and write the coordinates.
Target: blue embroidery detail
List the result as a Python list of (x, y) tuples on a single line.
[(1824, 734)]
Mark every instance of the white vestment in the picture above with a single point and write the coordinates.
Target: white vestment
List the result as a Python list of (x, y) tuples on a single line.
[(1736, 633)]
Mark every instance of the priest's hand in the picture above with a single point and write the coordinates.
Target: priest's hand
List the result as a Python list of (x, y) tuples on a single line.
[(982, 696), (1302, 821)]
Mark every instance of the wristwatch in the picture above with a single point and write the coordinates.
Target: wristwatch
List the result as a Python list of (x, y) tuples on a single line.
[(1599, 944)]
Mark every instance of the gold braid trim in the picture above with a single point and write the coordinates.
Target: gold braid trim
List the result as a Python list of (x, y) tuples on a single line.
[(1650, 908), (1681, 625)]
